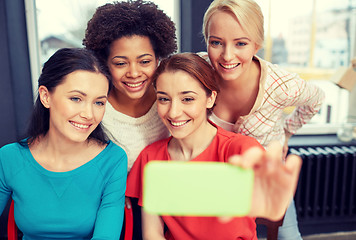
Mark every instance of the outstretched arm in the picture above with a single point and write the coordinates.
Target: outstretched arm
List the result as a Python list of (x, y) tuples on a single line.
[(275, 181)]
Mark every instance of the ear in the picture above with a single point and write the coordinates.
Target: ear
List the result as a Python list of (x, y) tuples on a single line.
[(211, 99), (157, 62), (257, 48), (44, 96)]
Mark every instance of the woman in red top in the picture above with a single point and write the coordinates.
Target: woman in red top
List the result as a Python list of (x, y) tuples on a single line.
[(186, 92)]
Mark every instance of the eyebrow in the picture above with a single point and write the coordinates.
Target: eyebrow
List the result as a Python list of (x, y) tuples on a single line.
[(78, 91), (140, 56), (84, 94), (184, 92), (102, 97), (236, 39)]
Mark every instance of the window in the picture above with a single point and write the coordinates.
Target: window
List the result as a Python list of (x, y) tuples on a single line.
[(315, 39), (63, 23), (54, 24)]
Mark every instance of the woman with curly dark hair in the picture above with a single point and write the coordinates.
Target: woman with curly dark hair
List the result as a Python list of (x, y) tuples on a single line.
[(130, 38)]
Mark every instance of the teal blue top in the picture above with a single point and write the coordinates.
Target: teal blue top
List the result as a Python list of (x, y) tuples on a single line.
[(85, 203)]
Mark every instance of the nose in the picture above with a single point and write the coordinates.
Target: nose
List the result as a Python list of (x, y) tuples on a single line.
[(174, 110), (228, 53), (133, 71), (87, 112)]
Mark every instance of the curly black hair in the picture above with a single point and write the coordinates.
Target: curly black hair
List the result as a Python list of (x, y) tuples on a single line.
[(121, 19)]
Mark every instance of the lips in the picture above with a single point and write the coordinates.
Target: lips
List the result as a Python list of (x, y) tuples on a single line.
[(134, 85), (178, 123), (229, 66), (81, 126)]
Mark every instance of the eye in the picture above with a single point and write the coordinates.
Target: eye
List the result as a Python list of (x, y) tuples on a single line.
[(162, 99), (120, 64), (188, 99), (100, 103), (241, 44), (75, 99), (215, 43), (145, 62)]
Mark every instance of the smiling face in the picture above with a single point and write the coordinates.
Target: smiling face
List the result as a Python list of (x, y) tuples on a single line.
[(76, 106), (230, 49), (182, 103), (132, 62)]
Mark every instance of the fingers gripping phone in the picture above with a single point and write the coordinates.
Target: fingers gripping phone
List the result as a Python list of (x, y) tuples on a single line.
[(196, 189)]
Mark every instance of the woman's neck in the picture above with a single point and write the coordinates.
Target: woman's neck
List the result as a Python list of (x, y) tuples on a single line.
[(132, 107), (193, 145), (60, 155), (237, 98)]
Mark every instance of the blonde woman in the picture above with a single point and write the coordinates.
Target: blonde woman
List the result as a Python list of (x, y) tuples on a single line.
[(254, 92)]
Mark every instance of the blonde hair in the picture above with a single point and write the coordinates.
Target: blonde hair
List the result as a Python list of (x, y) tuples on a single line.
[(247, 12)]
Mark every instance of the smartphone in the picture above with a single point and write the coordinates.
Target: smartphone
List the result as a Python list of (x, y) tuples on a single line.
[(196, 189)]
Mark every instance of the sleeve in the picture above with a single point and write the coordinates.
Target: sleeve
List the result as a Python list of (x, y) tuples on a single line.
[(241, 143), (135, 178), (110, 214), (308, 99), (5, 192)]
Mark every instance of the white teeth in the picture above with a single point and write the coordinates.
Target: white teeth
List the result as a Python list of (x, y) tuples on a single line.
[(229, 66), (177, 124), (80, 125), (134, 84)]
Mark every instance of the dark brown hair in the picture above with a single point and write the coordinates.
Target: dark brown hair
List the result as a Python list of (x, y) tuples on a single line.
[(63, 62)]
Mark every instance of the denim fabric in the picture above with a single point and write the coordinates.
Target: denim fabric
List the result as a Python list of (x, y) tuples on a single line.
[(289, 229)]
